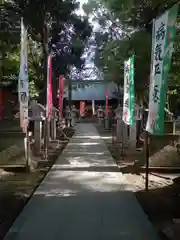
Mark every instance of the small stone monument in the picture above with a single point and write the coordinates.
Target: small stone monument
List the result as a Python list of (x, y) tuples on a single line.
[(37, 115)]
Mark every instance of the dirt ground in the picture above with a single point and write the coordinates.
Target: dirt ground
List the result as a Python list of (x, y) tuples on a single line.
[(161, 202), (17, 187)]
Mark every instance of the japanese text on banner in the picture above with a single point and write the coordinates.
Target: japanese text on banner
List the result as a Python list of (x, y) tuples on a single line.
[(128, 103), (23, 80), (162, 39)]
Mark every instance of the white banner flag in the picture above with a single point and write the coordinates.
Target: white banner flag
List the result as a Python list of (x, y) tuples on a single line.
[(128, 102), (164, 32), (23, 79)]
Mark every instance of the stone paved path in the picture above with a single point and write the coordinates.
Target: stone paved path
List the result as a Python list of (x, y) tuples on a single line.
[(83, 197)]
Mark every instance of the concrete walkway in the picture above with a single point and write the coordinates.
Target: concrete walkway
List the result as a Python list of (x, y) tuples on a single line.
[(83, 197)]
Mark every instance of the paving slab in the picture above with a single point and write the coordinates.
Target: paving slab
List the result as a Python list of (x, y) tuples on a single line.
[(83, 197)]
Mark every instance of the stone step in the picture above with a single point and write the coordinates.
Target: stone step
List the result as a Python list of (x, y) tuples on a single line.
[(14, 167), (11, 134)]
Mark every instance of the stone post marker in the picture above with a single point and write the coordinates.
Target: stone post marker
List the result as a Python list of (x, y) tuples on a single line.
[(38, 113), (54, 122)]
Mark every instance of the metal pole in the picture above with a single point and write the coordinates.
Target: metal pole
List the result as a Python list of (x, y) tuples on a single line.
[(147, 160)]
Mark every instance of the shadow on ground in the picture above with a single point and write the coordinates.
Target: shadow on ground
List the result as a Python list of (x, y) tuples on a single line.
[(17, 187), (162, 207), (161, 204), (73, 206)]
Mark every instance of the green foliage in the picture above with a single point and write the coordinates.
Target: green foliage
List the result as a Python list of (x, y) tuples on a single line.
[(138, 14), (50, 23), (132, 21)]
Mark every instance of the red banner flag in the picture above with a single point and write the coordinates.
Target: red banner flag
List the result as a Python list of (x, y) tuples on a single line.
[(61, 94), (49, 88), (107, 110)]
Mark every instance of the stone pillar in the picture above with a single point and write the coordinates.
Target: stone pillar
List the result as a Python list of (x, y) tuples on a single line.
[(1, 105), (133, 129), (132, 135), (125, 134), (106, 123), (108, 119), (100, 116), (37, 135), (53, 123), (37, 115), (74, 116), (121, 128), (93, 107), (118, 117), (46, 134), (67, 116), (139, 121), (53, 128)]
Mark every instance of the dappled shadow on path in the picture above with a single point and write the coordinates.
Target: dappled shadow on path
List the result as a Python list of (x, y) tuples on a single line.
[(83, 197), (82, 205), (87, 169)]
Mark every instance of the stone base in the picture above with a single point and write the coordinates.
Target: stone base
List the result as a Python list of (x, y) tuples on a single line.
[(43, 163)]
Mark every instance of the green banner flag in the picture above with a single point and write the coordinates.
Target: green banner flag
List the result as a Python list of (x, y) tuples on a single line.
[(128, 103), (162, 47)]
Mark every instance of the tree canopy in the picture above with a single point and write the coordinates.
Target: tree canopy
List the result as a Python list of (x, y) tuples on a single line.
[(125, 28), (53, 27)]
